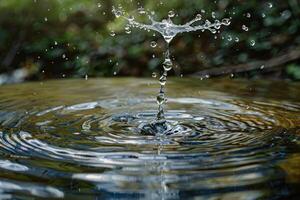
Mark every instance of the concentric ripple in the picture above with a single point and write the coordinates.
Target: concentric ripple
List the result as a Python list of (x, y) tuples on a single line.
[(95, 138)]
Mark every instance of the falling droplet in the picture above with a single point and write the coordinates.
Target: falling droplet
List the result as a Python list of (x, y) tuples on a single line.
[(153, 44), (167, 65), (112, 33), (198, 17), (252, 43), (213, 15), (131, 18), (141, 10), (270, 5), (154, 75), (245, 28), (171, 14), (127, 29), (226, 21)]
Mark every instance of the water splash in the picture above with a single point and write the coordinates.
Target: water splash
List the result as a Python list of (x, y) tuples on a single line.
[(168, 30)]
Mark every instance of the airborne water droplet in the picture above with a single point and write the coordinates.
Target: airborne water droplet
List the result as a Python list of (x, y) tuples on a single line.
[(270, 5), (153, 44), (245, 28), (226, 21), (198, 17), (167, 64), (171, 13), (213, 15), (112, 33)]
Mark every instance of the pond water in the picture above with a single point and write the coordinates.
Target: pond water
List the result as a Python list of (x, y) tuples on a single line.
[(79, 139)]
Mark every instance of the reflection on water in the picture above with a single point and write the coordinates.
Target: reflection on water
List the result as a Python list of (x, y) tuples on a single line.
[(77, 139)]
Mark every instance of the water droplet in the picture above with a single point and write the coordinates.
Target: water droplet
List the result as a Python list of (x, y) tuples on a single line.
[(112, 33), (153, 44), (131, 18), (237, 39), (245, 28), (55, 43), (127, 29), (198, 17), (213, 15), (171, 14), (252, 43), (154, 75), (118, 13), (270, 5), (45, 19), (86, 77), (226, 21), (248, 15), (262, 67), (163, 80), (99, 5), (168, 65), (141, 10), (160, 98)]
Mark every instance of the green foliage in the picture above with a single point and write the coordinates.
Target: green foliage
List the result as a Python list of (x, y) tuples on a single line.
[(72, 37), (294, 71)]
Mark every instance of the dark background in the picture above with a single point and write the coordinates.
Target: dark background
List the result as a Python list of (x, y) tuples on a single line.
[(47, 39)]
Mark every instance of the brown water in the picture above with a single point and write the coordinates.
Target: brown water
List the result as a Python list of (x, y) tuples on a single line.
[(75, 139)]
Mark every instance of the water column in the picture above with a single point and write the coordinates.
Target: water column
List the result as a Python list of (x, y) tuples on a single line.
[(161, 99)]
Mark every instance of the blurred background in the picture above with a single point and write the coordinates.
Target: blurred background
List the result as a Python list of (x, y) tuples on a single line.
[(54, 39)]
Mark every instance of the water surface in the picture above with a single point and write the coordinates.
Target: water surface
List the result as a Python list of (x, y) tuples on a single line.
[(75, 139)]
